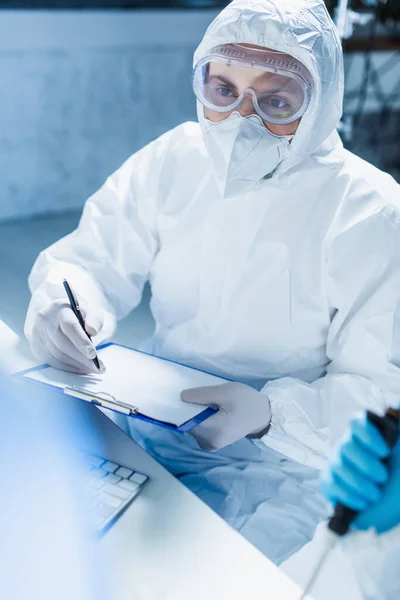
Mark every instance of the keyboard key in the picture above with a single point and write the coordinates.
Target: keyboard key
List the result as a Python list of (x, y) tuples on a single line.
[(138, 478), (109, 487), (111, 478), (94, 461), (109, 500), (104, 511), (96, 484), (110, 467), (91, 505), (128, 485), (98, 473), (98, 521), (116, 491), (91, 493), (124, 472)]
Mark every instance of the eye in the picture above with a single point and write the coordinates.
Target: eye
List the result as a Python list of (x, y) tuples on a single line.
[(277, 102), (224, 92)]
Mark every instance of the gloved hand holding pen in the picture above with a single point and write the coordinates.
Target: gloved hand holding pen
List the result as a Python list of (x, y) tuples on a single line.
[(357, 478), (58, 339), (56, 334)]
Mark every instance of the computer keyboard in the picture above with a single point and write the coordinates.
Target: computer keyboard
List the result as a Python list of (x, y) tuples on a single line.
[(109, 489)]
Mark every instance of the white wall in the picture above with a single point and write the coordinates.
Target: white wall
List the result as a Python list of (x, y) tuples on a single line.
[(81, 91)]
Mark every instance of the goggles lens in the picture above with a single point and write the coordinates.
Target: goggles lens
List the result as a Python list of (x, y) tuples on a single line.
[(280, 95)]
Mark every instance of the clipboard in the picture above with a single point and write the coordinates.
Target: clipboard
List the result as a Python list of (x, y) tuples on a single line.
[(106, 398)]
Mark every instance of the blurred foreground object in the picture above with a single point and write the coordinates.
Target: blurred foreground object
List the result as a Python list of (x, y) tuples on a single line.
[(46, 551)]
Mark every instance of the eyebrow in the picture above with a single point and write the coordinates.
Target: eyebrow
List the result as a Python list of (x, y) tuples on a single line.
[(289, 87), (277, 90), (224, 80)]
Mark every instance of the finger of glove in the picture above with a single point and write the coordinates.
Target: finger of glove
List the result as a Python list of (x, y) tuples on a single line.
[(339, 493), (65, 345), (74, 367), (210, 435), (71, 327), (82, 367), (364, 461), (368, 436), (355, 482), (69, 352), (204, 441), (94, 324), (376, 516), (94, 328), (53, 362), (205, 395), (43, 353)]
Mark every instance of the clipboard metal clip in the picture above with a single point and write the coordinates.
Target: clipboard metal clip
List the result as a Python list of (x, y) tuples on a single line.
[(102, 399)]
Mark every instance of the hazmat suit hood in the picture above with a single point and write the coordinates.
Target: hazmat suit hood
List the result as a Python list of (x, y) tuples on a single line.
[(303, 29)]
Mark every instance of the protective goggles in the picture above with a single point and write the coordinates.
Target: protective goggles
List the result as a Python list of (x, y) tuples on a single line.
[(278, 84)]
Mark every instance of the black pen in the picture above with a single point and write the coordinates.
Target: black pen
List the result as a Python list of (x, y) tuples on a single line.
[(77, 312)]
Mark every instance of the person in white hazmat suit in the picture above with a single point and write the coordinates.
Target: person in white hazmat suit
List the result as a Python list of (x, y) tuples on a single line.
[(273, 256)]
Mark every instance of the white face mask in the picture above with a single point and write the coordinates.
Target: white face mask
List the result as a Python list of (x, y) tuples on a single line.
[(242, 150)]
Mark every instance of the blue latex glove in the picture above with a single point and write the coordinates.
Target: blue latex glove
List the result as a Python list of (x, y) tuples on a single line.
[(357, 478)]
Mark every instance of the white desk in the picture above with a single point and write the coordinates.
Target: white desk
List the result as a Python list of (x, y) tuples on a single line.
[(168, 545)]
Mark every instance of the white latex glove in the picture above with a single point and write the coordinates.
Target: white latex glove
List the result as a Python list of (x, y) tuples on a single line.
[(57, 338), (242, 411)]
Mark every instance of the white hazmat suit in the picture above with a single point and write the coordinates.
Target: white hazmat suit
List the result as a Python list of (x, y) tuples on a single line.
[(292, 287)]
